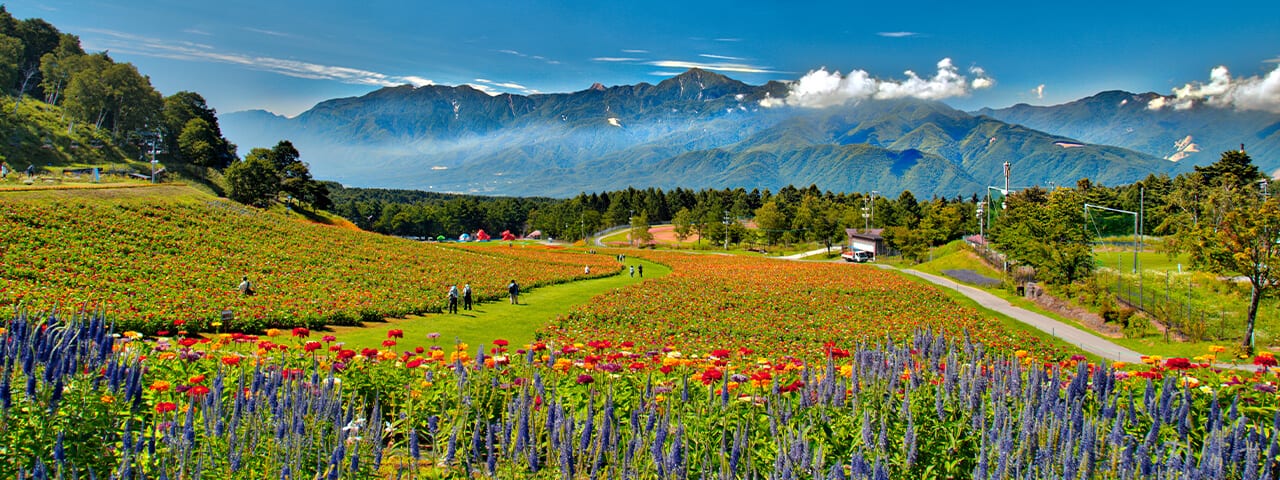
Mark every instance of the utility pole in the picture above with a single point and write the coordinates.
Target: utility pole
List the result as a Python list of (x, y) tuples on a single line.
[(873, 207), (726, 229), (1006, 177)]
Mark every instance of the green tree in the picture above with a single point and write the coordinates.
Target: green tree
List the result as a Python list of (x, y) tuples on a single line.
[(640, 235), (1046, 231), (683, 223), (10, 60), (57, 67), (1233, 166), (253, 181), (1241, 239), (771, 221), (196, 144)]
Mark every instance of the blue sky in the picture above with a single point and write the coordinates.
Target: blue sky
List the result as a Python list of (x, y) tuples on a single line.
[(285, 56)]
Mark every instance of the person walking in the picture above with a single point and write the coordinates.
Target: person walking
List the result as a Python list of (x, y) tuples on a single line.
[(453, 299), (633, 271), (466, 296), (640, 270), (586, 270), (513, 289), (245, 287)]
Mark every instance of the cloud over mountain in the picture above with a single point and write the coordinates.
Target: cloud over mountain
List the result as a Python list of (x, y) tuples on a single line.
[(1223, 90), (820, 88)]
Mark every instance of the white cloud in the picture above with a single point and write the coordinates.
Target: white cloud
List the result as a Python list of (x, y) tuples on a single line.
[(728, 39), (539, 58), (1224, 91), (719, 67), (491, 87), (821, 88), (272, 33), (151, 47), (634, 51), (1039, 91), (897, 34), (616, 59), (720, 57), (660, 73), (196, 31)]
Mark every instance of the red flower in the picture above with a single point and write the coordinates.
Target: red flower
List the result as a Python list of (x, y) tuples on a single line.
[(187, 342), (301, 332), (637, 366), (369, 353), (388, 343), (329, 338), (198, 390), (163, 407), (584, 379), (311, 346), (414, 363), (419, 349), (198, 379), (665, 369), (501, 343), (1264, 360), (711, 375), (162, 333), (345, 354), (231, 360), (179, 323), (1178, 363), (627, 344), (395, 333), (720, 353)]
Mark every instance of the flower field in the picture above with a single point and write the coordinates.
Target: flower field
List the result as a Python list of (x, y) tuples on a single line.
[(778, 308), (148, 262), (79, 402)]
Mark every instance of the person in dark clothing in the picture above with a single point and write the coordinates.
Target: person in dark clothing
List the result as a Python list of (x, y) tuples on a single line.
[(466, 297), (453, 299), (640, 270), (513, 289)]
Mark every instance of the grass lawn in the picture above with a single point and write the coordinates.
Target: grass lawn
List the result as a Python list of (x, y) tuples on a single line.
[(1147, 260), (955, 257), (496, 319)]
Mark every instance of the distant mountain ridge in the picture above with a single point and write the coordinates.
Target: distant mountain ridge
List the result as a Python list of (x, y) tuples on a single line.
[(696, 130), (1195, 135)]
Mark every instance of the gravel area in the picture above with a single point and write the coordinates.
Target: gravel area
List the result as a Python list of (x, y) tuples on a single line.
[(971, 277)]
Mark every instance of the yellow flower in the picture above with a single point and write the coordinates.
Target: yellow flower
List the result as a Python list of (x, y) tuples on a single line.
[(108, 399), (132, 334), (1117, 365), (846, 371), (1217, 348), (461, 346), (1020, 354), (167, 356), (273, 332)]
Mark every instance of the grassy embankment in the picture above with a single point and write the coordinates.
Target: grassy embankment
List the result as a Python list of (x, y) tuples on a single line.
[(955, 256)]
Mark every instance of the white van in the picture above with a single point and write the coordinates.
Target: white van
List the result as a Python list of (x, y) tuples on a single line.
[(857, 256)]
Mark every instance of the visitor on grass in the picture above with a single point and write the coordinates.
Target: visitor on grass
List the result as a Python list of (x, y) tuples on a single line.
[(466, 296), (633, 271), (4, 170), (586, 270), (246, 288), (453, 299), (640, 270), (513, 289)]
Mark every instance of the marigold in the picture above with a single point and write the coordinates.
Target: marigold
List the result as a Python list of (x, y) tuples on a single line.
[(1217, 348), (231, 360), (273, 332), (160, 386)]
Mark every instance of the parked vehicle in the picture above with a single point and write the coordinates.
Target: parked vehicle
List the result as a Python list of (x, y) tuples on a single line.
[(857, 256)]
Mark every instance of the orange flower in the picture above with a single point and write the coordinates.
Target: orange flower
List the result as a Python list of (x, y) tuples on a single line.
[(231, 360), (196, 379), (160, 386)]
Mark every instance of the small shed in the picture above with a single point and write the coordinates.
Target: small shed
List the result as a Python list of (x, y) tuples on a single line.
[(868, 240)]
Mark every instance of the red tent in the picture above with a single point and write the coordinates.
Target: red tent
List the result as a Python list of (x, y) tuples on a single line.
[(507, 236), (481, 236)]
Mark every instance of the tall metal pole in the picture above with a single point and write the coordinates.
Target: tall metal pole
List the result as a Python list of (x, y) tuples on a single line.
[(1006, 177), (726, 229)]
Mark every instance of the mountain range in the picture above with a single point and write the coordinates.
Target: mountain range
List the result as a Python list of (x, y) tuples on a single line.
[(704, 130)]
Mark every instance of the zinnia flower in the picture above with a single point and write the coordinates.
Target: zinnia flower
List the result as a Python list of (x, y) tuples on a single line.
[(301, 332), (164, 407), (584, 379)]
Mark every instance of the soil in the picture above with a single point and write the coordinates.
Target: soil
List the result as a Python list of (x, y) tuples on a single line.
[(1090, 320)]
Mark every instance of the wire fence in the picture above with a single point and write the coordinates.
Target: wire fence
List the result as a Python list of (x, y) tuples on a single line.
[(1176, 302)]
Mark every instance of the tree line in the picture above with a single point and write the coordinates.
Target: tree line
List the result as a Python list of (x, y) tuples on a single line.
[(94, 91)]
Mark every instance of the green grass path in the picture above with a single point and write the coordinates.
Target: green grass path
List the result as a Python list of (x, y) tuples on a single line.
[(494, 319)]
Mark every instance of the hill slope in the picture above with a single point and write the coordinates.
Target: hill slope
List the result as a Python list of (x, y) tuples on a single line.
[(695, 130), (152, 256), (1196, 135)]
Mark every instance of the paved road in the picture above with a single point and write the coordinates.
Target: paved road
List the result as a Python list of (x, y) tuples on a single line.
[(1068, 333)]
